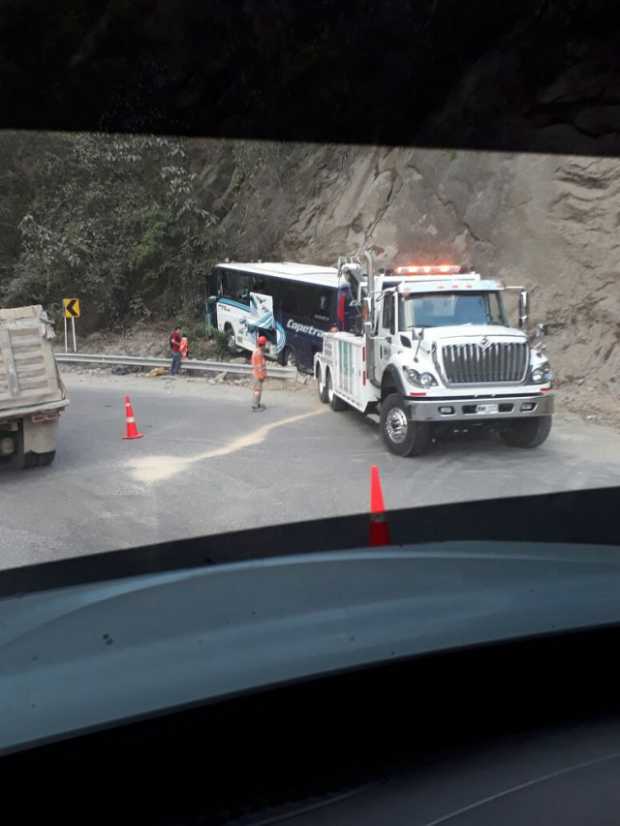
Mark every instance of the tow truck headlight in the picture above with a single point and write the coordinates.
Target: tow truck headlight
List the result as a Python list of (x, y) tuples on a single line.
[(419, 379), (542, 374), (538, 375)]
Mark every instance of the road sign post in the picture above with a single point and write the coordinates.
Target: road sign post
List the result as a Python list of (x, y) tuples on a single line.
[(72, 311)]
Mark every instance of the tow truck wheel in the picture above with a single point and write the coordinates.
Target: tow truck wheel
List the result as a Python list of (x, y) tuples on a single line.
[(527, 432), (335, 402), (402, 436), (321, 385)]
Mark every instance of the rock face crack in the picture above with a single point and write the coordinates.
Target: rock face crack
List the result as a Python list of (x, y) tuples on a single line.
[(459, 219)]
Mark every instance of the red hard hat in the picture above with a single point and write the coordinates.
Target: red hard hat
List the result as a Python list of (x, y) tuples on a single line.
[(261, 341)]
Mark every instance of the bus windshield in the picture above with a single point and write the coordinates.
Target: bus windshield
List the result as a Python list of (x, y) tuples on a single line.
[(445, 309)]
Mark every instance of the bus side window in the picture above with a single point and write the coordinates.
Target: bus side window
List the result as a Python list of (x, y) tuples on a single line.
[(321, 305), (259, 284), (274, 289), (288, 299)]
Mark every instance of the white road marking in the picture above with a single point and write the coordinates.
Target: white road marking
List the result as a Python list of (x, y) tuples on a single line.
[(153, 469)]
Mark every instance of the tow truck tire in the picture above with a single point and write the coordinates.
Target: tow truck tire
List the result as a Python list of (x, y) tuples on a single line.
[(402, 436), (321, 385), (335, 402), (527, 432)]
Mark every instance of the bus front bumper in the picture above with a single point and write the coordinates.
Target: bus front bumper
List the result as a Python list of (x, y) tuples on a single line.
[(480, 409)]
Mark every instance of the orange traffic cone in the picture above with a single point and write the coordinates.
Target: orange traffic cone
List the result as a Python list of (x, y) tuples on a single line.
[(379, 530), (132, 429)]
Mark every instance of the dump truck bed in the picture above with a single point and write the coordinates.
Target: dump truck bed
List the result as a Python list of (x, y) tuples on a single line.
[(29, 377)]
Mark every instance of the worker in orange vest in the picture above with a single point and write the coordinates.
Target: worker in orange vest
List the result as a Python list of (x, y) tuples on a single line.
[(259, 369)]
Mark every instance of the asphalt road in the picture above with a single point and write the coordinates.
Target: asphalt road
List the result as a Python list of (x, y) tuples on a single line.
[(207, 464)]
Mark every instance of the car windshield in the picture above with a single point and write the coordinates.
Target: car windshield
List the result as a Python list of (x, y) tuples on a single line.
[(285, 308), (433, 310)]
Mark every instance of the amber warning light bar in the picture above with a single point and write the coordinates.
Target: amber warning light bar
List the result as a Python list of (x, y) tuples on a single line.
[(435, 269)]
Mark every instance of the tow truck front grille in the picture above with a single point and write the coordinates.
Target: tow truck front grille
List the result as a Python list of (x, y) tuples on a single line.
[(494, 364)]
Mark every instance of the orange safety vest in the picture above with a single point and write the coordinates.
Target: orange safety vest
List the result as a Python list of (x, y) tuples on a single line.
[(259, 364)]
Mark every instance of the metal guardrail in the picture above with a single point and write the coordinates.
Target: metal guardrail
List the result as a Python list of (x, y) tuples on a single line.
[(273, 371)]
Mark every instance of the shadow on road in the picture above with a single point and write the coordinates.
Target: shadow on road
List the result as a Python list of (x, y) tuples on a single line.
[(457, 444)]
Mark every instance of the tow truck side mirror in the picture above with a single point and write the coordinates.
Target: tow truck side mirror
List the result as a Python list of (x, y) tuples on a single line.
[(537, 335), (523, 309)]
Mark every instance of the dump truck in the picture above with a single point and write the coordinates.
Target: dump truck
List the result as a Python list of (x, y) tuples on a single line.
[(32, 393), (434, 352)]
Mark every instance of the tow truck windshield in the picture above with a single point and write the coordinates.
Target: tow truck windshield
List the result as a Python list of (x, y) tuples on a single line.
[(446, 309)]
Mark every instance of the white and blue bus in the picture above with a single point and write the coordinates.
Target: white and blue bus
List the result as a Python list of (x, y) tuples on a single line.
[(292, 305)]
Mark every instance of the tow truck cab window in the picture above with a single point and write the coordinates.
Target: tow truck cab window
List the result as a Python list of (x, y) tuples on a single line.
[(446, 309), (388, 313)]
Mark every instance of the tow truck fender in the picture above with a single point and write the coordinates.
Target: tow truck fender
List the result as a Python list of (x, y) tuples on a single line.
[(393, 378), (317, 362)]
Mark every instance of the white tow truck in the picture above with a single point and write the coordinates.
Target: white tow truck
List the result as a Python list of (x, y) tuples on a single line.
[(433, 352)]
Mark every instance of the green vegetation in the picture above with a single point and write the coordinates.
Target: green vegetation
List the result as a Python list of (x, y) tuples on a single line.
[(117, 221), (220, 345)]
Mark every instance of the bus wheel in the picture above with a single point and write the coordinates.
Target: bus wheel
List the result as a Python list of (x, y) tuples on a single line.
[(288, 357), (402, 436), (322, 386), (335, 402), (230, 340)]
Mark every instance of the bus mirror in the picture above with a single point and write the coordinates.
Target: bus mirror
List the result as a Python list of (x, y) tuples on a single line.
[(212, 299)]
